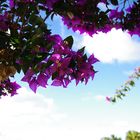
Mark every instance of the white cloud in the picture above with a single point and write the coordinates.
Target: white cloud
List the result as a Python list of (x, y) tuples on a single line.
[(113, 46), (27, 116), (120, 123)]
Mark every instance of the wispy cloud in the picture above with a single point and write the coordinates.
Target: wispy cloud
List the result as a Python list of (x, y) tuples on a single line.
[(116, 45), (90, 97)]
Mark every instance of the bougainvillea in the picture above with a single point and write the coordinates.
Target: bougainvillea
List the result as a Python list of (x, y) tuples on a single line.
[(27, 44)]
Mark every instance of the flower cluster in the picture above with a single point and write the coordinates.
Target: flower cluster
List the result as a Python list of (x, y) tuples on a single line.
[(63, 65), (8, 87), (89, 18), (30, 47), (85, 17)]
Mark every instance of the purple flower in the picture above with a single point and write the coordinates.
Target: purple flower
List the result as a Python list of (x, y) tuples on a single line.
[(12, 4), (92, 59), (50, 3), (33, 84), (56, 82), (53, 38), (42, 79), (116, 14), (3, 22), (28, 76), (129, 9), (103, 1), (14, 86), (8, 87), (81, 2), (106, 28), (66, 82), (108, 99), (55, 57), (135, 31)]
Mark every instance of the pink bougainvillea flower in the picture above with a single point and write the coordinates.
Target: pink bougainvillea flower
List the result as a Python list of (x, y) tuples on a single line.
[(4, 22), (50, 3), (12, 3), (14, 87), (92, 59), (8, 87), (56, 82), (42, 79), (55, 57), (108, 99), (28, 75), (33, 84)]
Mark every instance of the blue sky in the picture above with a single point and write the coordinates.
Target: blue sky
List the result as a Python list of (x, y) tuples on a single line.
[(79, 112)]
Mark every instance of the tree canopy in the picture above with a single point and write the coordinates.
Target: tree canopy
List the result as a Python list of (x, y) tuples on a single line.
[(130, 135)]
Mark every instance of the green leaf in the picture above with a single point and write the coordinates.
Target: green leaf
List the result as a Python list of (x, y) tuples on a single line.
[(42, 8), (15, 41), (69, 41), (49, 46), (5, 5), (81, 50), (132, 83), (72, 63), (52, 16), (36, 20), (122, 94), (2, 1), (27, 61), (21, 9), (18, 68), (85, 57), (119, 96), (60, 6), (49, 63), (54, 75), (4, 39), (113, 100), (114, 2), (44, 66), (39, 57)]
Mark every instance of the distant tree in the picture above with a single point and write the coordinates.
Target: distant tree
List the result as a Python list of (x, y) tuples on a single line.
[(133, 135), (113, 137)]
